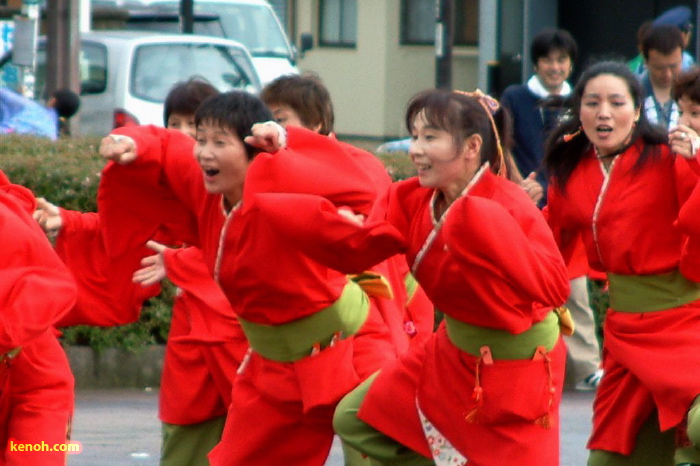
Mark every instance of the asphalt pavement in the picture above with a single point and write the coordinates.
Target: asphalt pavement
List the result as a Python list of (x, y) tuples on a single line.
[(121, 428)]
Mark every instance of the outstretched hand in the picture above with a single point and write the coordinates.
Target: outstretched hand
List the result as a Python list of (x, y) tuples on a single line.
[(121, 149), (48, 216), (152, 268), (268, 136)]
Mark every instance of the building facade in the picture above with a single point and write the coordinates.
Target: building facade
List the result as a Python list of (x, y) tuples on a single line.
[(375, 54)]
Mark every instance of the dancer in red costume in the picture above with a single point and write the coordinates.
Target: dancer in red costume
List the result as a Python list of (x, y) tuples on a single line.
[(36, 384), (487, 259), (300, 329), (635, 203)]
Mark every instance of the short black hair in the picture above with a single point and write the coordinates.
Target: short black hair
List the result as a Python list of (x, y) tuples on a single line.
[(552, 39), (235, 111), (66, 103), (664, 39)]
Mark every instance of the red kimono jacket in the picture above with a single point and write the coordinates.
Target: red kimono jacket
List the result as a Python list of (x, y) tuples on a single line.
[(631, 224)]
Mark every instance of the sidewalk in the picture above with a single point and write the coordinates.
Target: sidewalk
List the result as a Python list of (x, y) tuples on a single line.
[(121, 428)]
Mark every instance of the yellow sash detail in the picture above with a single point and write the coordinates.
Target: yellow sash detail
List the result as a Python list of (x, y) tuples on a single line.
[(374, 284)]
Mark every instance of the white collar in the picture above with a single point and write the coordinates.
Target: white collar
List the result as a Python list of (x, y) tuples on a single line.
[(536, 87)]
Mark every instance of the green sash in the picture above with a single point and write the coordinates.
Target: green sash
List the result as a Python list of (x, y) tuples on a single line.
[(647, 293), (503, 344), (296, 340)]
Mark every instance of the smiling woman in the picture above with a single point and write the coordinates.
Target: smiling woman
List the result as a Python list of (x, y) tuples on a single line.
[(483, 253)]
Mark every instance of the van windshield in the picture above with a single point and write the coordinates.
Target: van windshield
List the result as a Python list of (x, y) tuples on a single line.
[(157, 67), (255, 26)]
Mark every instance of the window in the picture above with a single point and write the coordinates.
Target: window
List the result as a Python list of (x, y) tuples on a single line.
[(93, 68), (338, 23), (418, 22)]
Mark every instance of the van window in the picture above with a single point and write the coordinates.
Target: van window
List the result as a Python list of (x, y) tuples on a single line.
[(157, 67)]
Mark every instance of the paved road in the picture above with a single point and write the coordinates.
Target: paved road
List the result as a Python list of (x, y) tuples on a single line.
[(120, 428)]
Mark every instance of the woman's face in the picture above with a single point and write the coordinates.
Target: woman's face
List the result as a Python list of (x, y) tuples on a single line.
[(439, 163), (183, 123), (689, 113), (223, 159), (608, 114), (285, 115)]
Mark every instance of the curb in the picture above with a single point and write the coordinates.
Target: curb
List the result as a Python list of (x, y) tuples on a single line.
[(116, 367)]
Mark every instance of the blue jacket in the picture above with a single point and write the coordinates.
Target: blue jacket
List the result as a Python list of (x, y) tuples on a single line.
[(532, 123)]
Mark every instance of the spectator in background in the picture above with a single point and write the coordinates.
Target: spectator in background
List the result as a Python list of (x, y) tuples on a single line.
[(537, 105), (663, 54), (680, 17), (21, 115)]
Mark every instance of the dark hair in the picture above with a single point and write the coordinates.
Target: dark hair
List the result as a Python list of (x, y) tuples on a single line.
[(643, 29), (66, 103), (306, 95), (687, 83), (550, 39), (185, 97), (235, 111), (664, 39), (462, 116), (563, 156)]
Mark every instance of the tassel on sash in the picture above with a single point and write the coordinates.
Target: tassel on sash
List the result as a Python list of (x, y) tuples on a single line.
[(478, 395), (541, 355)]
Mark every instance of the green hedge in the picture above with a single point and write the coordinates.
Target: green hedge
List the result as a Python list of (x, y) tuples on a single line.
[(66, 173)]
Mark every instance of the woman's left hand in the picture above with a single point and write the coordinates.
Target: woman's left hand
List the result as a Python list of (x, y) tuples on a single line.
[(684, 141)]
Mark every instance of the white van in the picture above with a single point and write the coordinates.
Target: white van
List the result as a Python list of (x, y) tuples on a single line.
[(126, 75), (250, 22)]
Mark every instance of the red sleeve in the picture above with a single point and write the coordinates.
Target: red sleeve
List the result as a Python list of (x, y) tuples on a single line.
[(314, 226), (35, 287), (106, 294), (211, 316), (688, 217), (157, 188), (312, 164), (517, 245)]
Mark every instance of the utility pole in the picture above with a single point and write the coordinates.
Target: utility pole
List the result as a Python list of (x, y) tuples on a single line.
[(187, 16), (444, 33), (63, 49), (62, 45)]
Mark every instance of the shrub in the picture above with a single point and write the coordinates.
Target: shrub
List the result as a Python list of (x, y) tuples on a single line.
[(66, 173)]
